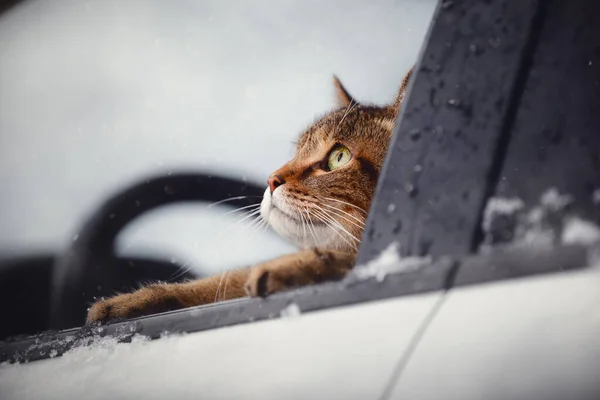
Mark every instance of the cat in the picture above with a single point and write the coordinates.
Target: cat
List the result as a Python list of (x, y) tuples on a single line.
[(318, 200)]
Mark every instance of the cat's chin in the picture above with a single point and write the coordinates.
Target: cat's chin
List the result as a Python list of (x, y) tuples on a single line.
[(292, 227)]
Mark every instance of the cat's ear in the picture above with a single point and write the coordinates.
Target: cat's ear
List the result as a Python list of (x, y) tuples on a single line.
[(342, 96), (402, 91)]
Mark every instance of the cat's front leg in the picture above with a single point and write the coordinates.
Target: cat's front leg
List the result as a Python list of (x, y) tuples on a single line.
[(158, 298), (304, 268)]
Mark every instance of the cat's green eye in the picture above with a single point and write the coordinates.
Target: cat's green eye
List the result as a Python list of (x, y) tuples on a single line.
[(338, 157)]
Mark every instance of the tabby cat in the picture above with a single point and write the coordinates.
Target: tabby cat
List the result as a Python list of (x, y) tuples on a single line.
[(318, 200)]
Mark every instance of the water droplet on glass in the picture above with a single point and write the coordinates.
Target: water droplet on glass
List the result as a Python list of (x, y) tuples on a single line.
[(397, 227), (391, 208), (414, 133), (410, 189), (454, 102), (447, 4), (494, 41), (75, 237), (418, 168)]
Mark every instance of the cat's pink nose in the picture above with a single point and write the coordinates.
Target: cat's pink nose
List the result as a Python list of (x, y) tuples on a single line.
[(274, 182)]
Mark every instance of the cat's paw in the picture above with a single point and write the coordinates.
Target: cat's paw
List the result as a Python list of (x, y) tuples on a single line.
[(263, 281), (104, 311), (149, 300)]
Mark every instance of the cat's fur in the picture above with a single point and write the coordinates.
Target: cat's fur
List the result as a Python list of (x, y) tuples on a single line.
[(323, 212)]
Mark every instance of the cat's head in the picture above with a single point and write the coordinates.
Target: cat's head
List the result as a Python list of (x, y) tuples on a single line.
[(321, 197)]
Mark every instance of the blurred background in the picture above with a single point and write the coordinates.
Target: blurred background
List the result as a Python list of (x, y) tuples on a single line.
[(96, 95)]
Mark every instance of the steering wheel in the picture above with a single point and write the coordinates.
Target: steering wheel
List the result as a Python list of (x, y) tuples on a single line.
[(90, 268)]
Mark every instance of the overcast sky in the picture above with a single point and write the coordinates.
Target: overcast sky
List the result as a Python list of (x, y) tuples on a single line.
[(98, 94)]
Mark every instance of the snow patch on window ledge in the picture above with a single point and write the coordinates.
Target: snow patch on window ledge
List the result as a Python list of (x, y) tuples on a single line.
[(389, 261), (507, 221), (291, 311), (579, 231)]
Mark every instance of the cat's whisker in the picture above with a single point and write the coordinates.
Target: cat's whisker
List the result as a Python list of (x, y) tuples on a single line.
[(244, 216), (248, 214), (225, 276), (228, 273), (328, 223), (344, 202), (263, 225), (229, 199), (227, 228), (250, 211), (345, 114), (182, 271), (332, 215), (307, 224), (360, 220), (242, 208), (337, 223), (351, 107), (342, 214), (311, 227), (219, 287), (323, 213), (303, 225), (256, 224), (253, 224)]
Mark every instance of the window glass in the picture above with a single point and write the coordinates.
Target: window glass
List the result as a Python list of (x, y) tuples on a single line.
[(97, 95)]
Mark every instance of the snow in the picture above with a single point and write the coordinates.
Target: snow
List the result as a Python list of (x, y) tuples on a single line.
[(358, 344), (534, 231), (291, 311), (389, 262), (549, 223), (578, 231), (96, 347), (79, 345), (553, 200), (92, 349), (500, 206), (506, 220)]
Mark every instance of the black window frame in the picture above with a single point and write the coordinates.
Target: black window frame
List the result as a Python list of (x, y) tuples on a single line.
[(459, 125)]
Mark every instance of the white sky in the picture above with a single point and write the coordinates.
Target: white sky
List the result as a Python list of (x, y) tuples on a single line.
[(95, 95)]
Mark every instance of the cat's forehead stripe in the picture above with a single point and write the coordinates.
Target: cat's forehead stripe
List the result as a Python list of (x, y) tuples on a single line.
[(344, 124), (321, 130)]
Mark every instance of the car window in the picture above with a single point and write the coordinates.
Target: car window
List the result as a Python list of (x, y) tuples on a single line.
[(97, 95)]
